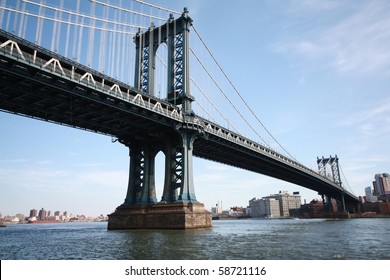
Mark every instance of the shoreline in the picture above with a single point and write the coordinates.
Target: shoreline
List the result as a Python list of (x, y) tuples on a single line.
[(351, 216)]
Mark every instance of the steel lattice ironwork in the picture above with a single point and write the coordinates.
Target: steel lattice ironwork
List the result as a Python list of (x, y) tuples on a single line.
[(334, 165)]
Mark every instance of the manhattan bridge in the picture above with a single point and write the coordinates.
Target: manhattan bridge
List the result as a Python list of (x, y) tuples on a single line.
[(129, 71)]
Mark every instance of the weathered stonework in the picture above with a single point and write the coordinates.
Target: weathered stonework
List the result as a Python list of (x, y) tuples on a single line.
[(160, 216)]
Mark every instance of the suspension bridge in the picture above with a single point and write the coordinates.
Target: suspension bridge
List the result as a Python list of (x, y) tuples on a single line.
[(124, 71)]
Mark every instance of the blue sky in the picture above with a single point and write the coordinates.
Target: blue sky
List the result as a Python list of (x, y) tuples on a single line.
[(317, 74)]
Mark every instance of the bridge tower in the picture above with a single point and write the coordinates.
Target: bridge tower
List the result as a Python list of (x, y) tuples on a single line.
[(175, 34), (178, 208), (333, 162)]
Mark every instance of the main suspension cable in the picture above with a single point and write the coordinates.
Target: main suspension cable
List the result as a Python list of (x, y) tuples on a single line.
[(67, 22), (237, 92), (127, 10), (157, 7), (227, 98), (83, 15)]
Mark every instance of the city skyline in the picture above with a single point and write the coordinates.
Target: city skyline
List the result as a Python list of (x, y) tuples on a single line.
[(218, 203), (316, 75)]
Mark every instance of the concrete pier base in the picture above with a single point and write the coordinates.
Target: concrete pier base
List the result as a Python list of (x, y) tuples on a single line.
[(160, 216)]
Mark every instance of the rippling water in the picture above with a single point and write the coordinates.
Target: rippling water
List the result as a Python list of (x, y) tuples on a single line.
[(233, 239)]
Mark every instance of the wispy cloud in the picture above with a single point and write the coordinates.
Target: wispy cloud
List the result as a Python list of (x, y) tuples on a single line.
[(368, 131), (45, 162), (357, 44), (376, 113)]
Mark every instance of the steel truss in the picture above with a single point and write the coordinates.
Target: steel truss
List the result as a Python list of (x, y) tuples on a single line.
[(175, 34)]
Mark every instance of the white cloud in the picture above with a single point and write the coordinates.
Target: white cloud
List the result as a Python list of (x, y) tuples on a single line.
[(359, 43)]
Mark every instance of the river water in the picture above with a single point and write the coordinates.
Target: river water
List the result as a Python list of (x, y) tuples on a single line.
[(231, 239)]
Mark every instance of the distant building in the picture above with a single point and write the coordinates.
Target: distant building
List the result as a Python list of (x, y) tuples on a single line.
[(56, 213), (20, 217), (370, 197), (215, 211), (287, 202), (33, 213), (313, 209), (264, 208), (42, 214), (382, 186)]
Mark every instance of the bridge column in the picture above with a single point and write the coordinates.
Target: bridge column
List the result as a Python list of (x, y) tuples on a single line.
[(141, 188), (343, 203), (179, 181), (327, 202), (187, 191), (172, 179)]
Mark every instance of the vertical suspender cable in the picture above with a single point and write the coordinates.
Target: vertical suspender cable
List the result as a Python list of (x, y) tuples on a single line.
[(130, 52), (16, 19), (103, 43), (2, 11), (23, 17), (40, 21), (114, 45), (161, 70), (76, 30), (118, 55), (91, 37), (59, 28), (80, 41), (122, 60), (67, 37), (54, 29), (25, 25), (140, 50)]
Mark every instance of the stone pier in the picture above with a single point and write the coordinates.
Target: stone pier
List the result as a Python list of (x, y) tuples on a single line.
[(160, 216)]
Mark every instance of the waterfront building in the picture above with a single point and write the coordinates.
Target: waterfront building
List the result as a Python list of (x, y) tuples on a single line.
[(264, 208), (313, 209), (33, 213), (270, 207), (215, 211), (287, 202), (42, 214)]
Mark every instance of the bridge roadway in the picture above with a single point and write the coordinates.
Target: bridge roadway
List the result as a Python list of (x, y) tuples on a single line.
[(37, 83)]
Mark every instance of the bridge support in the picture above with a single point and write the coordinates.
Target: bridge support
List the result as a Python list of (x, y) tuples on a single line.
[(141, 188), (178, 208), (329, 208), (327, 202)]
